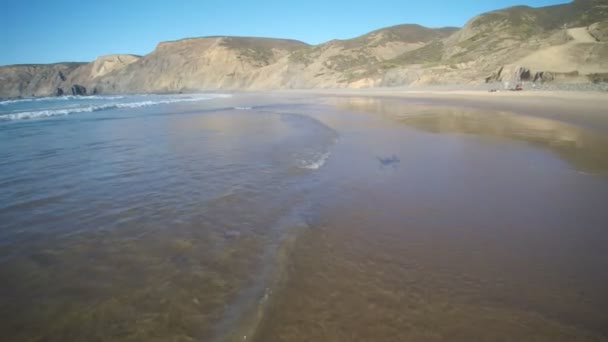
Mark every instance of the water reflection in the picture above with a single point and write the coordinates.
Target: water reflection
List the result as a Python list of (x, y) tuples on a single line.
[(464, 241), (585, 150)]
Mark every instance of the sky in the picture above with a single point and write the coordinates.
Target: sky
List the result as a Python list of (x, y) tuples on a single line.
[(49, 31)]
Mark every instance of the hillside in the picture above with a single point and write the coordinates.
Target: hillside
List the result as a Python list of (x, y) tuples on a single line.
[(561, 43), (199, 64), (340, 63), (529, 38)]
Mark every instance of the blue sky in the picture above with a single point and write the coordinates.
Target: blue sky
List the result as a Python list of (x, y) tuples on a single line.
[(46, 31)]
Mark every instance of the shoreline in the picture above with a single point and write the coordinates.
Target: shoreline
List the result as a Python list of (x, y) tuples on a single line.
[(582, 108), (565, 88), (586, 109)]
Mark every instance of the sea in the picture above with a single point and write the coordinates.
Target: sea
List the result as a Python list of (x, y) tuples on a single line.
[(298, 217)]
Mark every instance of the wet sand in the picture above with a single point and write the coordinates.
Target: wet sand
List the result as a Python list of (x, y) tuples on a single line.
[(581, 108), (489, 225)]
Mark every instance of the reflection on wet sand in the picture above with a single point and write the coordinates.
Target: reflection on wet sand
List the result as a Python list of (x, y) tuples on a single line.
[(461, 241), (586, 150), (348, 284)]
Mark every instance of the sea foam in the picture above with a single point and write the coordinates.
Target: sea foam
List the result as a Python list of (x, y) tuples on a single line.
[(96, 108), (60, 98), (315, 163)]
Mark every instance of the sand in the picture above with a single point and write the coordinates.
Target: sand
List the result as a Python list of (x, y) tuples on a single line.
[(587, 109)]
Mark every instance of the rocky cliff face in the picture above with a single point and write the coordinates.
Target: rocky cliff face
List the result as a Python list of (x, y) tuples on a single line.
[(34, 80), (105, 64), (59, 79), (200, 64), (599, 31), (556, 43)]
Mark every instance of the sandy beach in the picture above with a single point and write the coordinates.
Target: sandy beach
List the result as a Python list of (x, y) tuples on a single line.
[(584, 108)]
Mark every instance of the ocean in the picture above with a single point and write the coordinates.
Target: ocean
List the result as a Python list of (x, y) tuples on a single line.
[(297, 217)]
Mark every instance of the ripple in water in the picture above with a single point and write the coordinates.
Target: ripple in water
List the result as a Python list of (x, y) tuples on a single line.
[(166, 216)]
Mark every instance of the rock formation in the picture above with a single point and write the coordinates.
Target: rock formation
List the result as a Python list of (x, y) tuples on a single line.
[(543, 76), (106, 64), (599, 31), (78, 90)]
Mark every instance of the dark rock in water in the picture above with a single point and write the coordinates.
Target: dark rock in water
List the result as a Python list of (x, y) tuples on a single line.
[(96, 90), (78, 90), (61, 76), (59, 92)]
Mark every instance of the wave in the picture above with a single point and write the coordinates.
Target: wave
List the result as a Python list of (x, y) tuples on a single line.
[(60, 98), (89, 109), (315, 163), (243, 108)]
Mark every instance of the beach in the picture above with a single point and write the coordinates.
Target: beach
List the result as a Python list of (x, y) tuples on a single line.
[(329, 215), (458, 256)]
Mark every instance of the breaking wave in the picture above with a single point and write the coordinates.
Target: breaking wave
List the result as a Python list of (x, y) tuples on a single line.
[(60, 98), (314, 163), (88, 109)]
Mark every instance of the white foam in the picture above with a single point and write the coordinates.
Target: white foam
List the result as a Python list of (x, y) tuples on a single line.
[(61, 98), (315, 164), (243, 108), (583, 173), (46, 113), (88, 109)]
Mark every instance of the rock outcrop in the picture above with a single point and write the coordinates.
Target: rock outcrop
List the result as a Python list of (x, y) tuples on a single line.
[(34, 80), (106, 64), (78, 90), (599, 31), (543, 76), (598, 78)]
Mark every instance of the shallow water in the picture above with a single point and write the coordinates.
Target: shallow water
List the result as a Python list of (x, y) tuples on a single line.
[(299, 218), (486, 226)]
